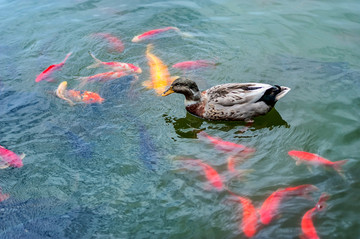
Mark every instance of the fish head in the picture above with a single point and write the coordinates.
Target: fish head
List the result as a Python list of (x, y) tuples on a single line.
[(135, 39)]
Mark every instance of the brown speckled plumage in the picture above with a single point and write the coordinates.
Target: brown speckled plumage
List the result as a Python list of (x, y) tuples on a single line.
[(232, 101)]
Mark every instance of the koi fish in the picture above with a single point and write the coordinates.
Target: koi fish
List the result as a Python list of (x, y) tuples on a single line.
[(47, 73), (191, 65), (314, 159), (249, 216), (114, 42), (9, 158), (211, 174), (149, 34), (61, 92), (160, 76), (226, 146), (87, 97), (3, 196), (307, 225), (102, 77), (271, 205), (115, 66)]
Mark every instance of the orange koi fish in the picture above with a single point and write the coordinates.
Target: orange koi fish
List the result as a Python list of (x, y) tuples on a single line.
[(249, 216), (3, 196), (192, 65), (314, 159), (47, 73), (307, 225), (70, 96), (149, 34), (270, 207), (211, 174), (115, 66), (226, 146), (9, 158), (114, 42), (160, 76)]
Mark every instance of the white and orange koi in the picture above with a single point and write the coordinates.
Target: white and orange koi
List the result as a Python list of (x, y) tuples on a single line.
[(115, 66), (152, 33)]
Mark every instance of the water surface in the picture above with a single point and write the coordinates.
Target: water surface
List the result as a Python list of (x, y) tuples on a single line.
[(116, 160)]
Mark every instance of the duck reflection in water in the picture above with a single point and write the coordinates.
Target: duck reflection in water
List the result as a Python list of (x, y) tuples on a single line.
[(190, 125)]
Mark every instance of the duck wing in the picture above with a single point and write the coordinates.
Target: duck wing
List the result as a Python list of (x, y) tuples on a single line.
[(236, 93)]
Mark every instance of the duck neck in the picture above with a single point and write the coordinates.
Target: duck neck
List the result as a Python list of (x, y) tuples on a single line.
[(192, 97)]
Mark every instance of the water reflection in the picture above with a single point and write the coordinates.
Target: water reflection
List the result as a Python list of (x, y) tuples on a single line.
[(190, 125)]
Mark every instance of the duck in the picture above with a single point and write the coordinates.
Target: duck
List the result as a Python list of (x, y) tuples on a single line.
[(228, 102)]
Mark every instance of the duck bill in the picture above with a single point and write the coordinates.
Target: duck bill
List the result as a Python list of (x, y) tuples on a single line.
[(168, 92), (284, 91)]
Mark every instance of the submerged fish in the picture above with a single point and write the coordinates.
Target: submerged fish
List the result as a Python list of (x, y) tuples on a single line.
[(115, 66), (114, 42), (307, 225), (9, 158), (191, 65), (160, 76), (51, 69), (212, 176), (152, 33), (249, 216), (226, 146), (270, 207), (314, 159)]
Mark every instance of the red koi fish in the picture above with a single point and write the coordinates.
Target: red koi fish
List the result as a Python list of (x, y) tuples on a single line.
[(115, 66), (149, 34), (211, 174), (192, 65), (3, 196), (249, 216), (114, 42), (314, 159), (47, 73), (226, 146), (307, 225), (102, 77), (270, 207), (9, 158)]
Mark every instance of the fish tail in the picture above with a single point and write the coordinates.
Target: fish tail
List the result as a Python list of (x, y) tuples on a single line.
[(97, 62), (183, 34), (149, 48), (338, 166), (67, 56), (203, 135), (83, 81)]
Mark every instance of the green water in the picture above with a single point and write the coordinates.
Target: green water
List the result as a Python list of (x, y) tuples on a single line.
[(310, 46)]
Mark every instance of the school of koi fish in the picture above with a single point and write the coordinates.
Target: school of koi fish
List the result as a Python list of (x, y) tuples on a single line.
[(252, 217)]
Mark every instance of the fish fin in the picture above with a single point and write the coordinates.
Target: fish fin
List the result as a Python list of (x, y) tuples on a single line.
[(310, 169), (186, 34), (22, 156), (148, 84), (4, 165), (337, 166), (298, 162), (83, 82), (95, 65), (50, 80)]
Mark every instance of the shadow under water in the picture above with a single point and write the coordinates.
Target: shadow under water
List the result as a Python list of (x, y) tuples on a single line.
[(189, 126)]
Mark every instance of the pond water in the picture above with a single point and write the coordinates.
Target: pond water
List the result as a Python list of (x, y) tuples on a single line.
[(112, 170)]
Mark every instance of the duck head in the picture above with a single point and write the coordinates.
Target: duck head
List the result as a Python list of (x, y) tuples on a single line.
[(186, 87), (273, 94)]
